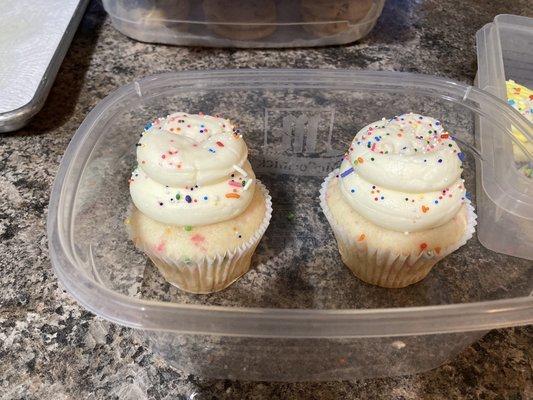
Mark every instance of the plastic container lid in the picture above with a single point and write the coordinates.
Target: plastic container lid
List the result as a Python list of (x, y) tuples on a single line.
[(505, 51)]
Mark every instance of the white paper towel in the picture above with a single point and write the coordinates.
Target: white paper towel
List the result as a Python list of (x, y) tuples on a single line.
[(30, 32)]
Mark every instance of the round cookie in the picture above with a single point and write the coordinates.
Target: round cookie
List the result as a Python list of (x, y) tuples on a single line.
[(319, 12), (159, 14), (172, 9), (248, 20)]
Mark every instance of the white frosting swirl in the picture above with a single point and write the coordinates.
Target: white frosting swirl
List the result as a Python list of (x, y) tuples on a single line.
[(192, 170), (184, 149), (404, 174)]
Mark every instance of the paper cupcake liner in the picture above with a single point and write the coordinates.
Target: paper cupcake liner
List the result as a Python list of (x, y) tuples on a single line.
[(211, 274), (383, 267)]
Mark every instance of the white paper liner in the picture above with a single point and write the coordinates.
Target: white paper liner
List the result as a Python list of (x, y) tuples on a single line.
[(203, 274), (380, 266)]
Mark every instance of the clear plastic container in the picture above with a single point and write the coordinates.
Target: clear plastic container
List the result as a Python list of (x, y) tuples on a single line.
[(245, 23), (299, 314), (505, 194)]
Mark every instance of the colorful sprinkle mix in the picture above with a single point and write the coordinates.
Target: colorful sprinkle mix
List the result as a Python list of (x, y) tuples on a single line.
[(347, 172), (197, 238)]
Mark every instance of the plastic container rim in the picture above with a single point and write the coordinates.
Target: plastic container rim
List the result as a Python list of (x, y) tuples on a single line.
[(503, 20), (269, 322)]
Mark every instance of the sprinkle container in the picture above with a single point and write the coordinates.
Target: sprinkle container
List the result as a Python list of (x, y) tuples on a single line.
[(245, 23), (505, 193), (298, 314)]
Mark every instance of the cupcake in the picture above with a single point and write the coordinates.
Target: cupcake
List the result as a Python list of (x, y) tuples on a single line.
[(397, 204), (331, 17), (241, 20), (198, 211)]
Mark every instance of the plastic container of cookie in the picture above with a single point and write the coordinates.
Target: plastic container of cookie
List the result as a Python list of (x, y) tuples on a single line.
[(298, 314), (505, 193), (245, 23)]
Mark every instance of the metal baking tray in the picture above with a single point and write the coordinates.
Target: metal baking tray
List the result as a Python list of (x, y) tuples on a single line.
[(16, 118)]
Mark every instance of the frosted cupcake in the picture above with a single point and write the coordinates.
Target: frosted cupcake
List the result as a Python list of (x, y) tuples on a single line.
[(398, 205), (199, 212)]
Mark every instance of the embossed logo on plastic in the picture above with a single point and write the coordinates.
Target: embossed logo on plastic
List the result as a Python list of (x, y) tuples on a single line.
[(297, 141)]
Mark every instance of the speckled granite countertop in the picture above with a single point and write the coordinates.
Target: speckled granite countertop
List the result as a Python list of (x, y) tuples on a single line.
[(51, 348)]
